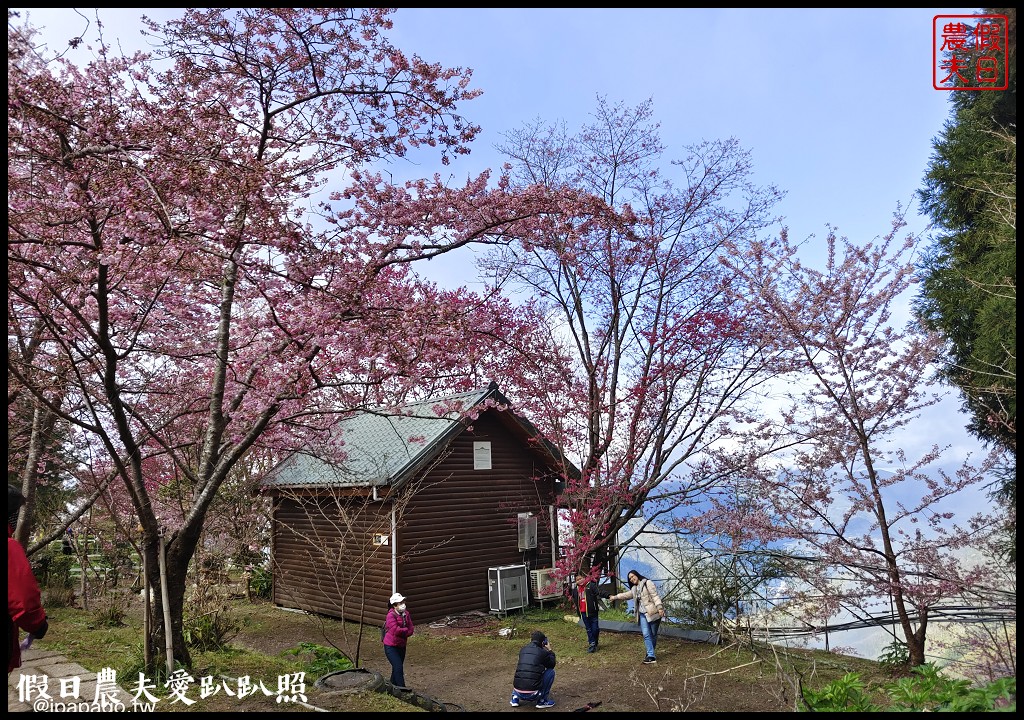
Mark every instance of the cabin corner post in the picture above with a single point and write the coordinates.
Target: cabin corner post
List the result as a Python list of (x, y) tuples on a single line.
[(394, 548), (553, 513)]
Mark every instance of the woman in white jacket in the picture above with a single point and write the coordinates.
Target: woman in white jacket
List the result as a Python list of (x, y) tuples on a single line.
[(648, 608)]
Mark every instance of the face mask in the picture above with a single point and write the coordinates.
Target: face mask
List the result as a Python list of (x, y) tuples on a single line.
[(401, 608)]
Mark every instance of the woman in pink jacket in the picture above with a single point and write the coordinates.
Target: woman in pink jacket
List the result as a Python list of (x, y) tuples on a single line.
[(24, 605), (398, 628)]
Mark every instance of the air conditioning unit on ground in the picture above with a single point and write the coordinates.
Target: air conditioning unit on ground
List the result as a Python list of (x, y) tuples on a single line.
[(527, 531), (508, 587), (542, 584)]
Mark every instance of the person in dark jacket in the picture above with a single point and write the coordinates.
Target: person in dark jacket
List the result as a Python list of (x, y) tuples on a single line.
[(24, 604), (398, 628), (535, 673), (584, 595)]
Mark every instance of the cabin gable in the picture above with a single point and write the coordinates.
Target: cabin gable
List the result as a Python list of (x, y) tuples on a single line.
[(462, 520)]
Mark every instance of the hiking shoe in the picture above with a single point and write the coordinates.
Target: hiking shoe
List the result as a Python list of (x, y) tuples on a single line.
[(514, 702), (592, 648), (650, 660), (545, 704)]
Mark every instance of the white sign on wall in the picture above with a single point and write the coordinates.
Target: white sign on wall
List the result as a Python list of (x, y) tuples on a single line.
[(482, 455)]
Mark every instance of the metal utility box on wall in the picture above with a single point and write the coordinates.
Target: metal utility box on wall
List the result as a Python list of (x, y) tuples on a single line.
[(542, 584), (508, 587), (527, 531)]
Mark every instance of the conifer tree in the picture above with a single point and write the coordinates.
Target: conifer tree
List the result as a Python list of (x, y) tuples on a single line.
[(969, 278)]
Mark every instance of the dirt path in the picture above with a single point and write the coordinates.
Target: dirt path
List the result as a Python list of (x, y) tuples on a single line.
[(472, 668)]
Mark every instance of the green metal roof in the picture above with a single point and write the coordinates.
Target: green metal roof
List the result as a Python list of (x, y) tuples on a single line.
[(382, 448)]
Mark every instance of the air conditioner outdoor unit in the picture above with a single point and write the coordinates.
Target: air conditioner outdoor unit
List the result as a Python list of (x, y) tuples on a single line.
[(542, 584), (508, 587), (527, 531)]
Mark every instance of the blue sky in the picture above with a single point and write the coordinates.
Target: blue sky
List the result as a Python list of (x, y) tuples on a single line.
[(836, 106)]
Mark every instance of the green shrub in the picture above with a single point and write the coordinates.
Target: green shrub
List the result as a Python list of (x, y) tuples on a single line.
[(133, 664), (261, 582), (58, 597), (320, 660), (210, 631), (895, 655), (113, 609), (52, 567), (844, 695), (926, 690)]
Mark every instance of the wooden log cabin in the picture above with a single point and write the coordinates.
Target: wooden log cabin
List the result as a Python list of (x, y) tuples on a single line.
[(443, 500)]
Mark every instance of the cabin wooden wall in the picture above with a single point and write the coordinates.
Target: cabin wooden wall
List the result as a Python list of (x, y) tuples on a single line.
[(324, 556), (453, 523), (463, 521)]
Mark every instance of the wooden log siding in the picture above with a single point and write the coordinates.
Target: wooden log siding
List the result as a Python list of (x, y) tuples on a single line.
[(458, 523), (322, 565), (462, 521)]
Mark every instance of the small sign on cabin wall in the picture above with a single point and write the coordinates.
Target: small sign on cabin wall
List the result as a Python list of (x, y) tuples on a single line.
[(380, 539), (482, 455)]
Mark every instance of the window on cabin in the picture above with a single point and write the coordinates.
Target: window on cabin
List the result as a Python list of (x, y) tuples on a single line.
[(482, 455)]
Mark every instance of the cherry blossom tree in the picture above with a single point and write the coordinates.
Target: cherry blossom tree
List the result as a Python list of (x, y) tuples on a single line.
[(41, 454), (875, 523), (165, 231), (33, 456), (662, 356)]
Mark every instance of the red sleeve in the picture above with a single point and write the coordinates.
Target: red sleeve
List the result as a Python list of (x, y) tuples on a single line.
[(24, 606)]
